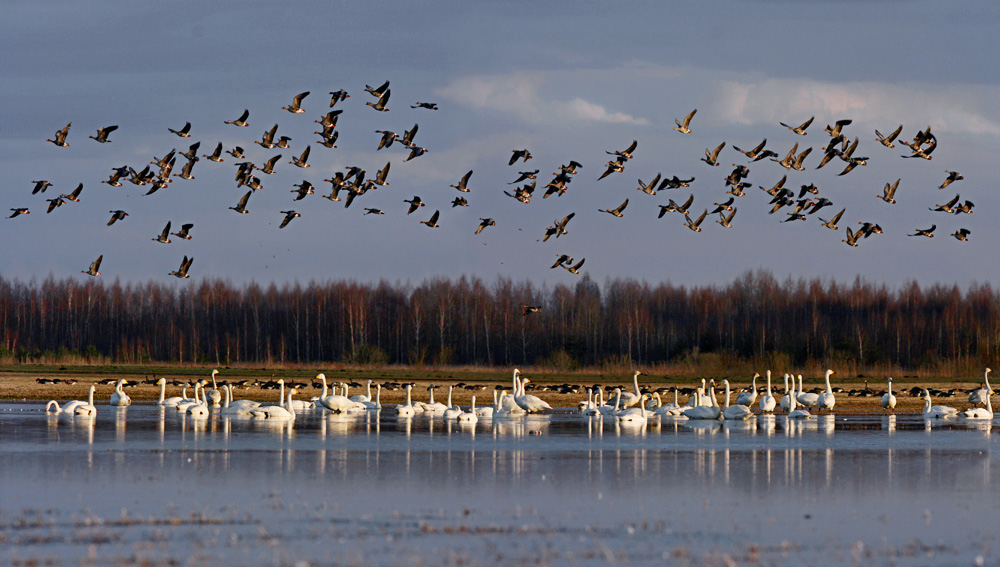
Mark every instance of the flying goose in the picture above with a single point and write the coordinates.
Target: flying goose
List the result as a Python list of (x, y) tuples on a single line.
[(53, 203), (617, 166), (777, 188), (409, 135), (832, 223), (268, 168), (388, 137), (283, 142), (922, 232), (377, 92), (61, 136), (562, 259), (952, 177), (964, 208), (102, 134), (625, 154), (947, 207), (529, 309), (182, 271), (337, 96), (485, 223), (296, 106), (561, 225), (616, 211), (372, 211), (787, 161), (216, 155), (758, 152), (382, 101), (415, 203), (433, 220), (685, 128), (695, 225), (329, 120), (797, 163), (712, 157), (576, 268), (889, 192), (650, 188), (800, 129), (524, 176), (94, 267), (19, 211), (304, 188), (184, 232), (191, 154), (236, 152), (415, 152), (726, 221), (242, 120), (463, 183), (164, 237), (523, 155), (962, 234), (567, 169), (241, 207), (837, 127), (522, 194), (40, 186), (329, 139), (381, 175), (184, 132), (289, 215), (427, 105), (267, 140), (461, 202), (186, 170), (75, 195), (724, 206), (887, 140), (673, 207), (852, 237), (116, 215), (301, 160), (869, 228)]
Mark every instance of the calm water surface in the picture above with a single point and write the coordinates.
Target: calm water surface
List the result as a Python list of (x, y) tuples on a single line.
[(148, 485)]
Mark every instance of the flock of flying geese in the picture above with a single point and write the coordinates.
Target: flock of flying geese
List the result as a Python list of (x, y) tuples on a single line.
[(353, 182), (636, 406)]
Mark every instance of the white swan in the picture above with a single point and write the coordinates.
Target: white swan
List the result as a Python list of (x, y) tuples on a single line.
[(231, 408), (508, 405), (245, 404), (213, 396), (119, 397), (628, 398), (797, 413), (736, 411), (298, 405), (767, 401), (827, 400), (807, 399), (748, 398), (76, 407), (636, 415), (981, 395), (936, 412), (432, 407), (406, 410), (671, 409), (334, 402), (187, 403), (530, 403), (453, 411), (165, 401), (979, 413), (608, 409), (276, 412), (469, 416), (377, 404), (366, 397), (584, 405), (487, 411), (702, 411), (889, 400), (785, 403)]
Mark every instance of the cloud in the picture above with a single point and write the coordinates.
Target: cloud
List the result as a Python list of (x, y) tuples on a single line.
[(518, 94)]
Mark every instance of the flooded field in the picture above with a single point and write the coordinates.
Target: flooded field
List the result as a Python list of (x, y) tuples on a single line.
[(147, 485)]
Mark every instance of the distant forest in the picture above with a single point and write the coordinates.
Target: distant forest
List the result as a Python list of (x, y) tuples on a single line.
[(753, 322)]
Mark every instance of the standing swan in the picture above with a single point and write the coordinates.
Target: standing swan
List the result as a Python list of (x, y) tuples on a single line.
[(979, 413), (119, 397), (528, 402), (785, 400), (888, 400), (808, 399), (628, 398), (767, 401), (981, 395), (748, 398), (213, 396), (827, 400)]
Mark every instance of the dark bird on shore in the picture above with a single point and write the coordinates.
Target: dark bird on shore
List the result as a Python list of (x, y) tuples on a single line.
[(382, 101), (184, 232), (463, 183), (524, 155), (485, 223), (289, 215), (19, 211), (102, 134), (427, 105), (164, 237), (94, 267), (296, 106), (75, 195), (925, 232), (184, 132), (616, 211), (182, 271), (60, 139), (116, 216), (952, 177), (433, 220), (712, 157), (242, 120), (415, 203), (887, 140), (337, 96), (40, 186), (685, 127), (801, 128), (241, 207)]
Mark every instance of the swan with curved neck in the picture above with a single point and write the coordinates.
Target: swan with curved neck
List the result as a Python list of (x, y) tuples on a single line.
[(827, 400), (119, 397), (334, 402), (699, 411), (889, 400), (165, 401), (213, 396), (767, 401), (737, 411), (277, 412), (187, 403), (936, 412), (785, 402), (636, 415), (629, 399), (76, 407), (366, 397), (528, 402)]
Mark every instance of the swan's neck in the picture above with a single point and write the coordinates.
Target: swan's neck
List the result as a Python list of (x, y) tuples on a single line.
[(378, 395), (635, 382), (163, 391), (368, 389), (432, 396), (281, 393), (288, 405), (927, 403), (618, 398), (214, 385), (449, 396), (90, 397), (890, 386), (408, 396), (826, 377), (768, 382), (229, 395), (473, 409), (184, 392), (727, 394)]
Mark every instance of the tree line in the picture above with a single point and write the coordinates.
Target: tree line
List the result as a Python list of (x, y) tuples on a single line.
[(753, 321)]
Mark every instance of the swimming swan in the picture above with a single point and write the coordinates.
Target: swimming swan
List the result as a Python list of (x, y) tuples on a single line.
[(119, 397), (469, 416), (276, 412), (979, 413), (636, 415), (530, 403), (406, 410), (737, 411), (76, 407), (702, 411), (165, 401), (796, 413), (936, 412)]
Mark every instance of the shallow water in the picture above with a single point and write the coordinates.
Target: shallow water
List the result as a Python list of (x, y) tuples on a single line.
[(145, 484)]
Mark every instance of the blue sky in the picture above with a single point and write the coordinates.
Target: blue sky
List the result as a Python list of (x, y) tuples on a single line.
[(568, 82)]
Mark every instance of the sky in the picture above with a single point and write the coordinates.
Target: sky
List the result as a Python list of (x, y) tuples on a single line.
[(568, 81)]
